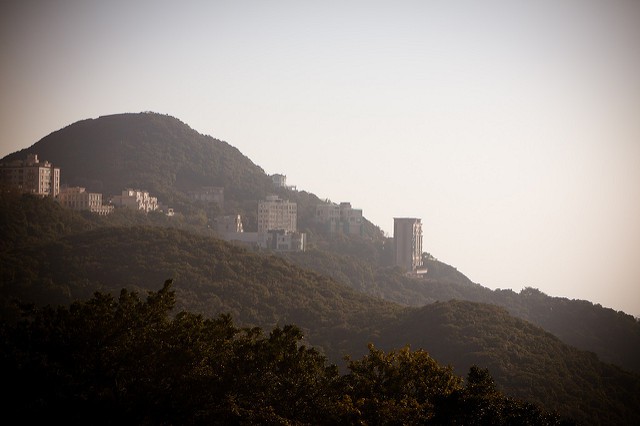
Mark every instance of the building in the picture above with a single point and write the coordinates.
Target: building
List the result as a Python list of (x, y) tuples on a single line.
[(209, 194), (228, 224), (229, 228), (77, 198), (407, 236), (280, 240), (280, 181), (32, 176), (351, 219), (340, 218), (135, 199), (277, 214)]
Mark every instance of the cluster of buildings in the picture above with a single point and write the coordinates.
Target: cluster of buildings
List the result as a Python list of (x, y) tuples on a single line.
[(42, 178), (277, 218), (277, 227)]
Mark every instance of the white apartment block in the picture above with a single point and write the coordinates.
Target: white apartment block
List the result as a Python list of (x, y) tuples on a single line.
[(135, 199), (277, 214), (407, 236), (77, 198), (32, 176)]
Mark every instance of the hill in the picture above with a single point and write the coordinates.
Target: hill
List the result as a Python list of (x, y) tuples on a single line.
[(125, 361), (149, 151), (259, 289), (614, 336), (161, 154)]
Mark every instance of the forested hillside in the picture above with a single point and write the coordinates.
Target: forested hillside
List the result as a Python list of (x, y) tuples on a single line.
[(212, 277), (342, 293), (126, 361), (614, 336)]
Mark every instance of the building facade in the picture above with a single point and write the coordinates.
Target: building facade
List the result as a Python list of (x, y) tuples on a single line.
[(209, 194), (77, 198), (277, 214), (407, 237), (340, 218), (32, 176), (136, 199), (280, 240), (231, 224), (280, 181)]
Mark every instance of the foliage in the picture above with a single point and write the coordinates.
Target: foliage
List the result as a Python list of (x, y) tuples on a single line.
[(125, 361), (260, 289), (614, 336), (526, 361)]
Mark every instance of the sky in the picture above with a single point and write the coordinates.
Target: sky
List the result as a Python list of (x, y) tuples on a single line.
[(511, 128)]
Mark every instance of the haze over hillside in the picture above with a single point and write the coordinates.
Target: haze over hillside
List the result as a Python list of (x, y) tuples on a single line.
[(510, 128), (343, 291), (164, 155), (64, 256)]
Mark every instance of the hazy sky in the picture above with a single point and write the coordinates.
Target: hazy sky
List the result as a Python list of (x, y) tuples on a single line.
[(512, 128)]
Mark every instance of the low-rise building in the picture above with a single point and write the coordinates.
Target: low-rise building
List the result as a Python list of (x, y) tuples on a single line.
[(280, 240), (77, 198), (229, 228), (208, 194), (280, 181), (136, 199), (231, 224)]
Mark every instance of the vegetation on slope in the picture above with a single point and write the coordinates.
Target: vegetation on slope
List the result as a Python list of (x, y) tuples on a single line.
[(108, 361), (260, 289), (614, 336), (52, 255), (548, 371)]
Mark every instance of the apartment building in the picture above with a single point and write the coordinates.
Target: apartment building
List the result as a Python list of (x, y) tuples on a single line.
[(135, 199), (280, 181), (32, 176), (340, 218), (231, 224), (208, 194), (275, 214), (407, 236), (280, 240), (77, 198)]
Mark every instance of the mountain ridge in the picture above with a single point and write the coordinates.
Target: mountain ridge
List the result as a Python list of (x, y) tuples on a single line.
[(161, 153)]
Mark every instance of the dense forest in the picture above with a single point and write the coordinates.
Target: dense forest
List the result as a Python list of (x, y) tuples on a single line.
[(127, 361), (342, 294)]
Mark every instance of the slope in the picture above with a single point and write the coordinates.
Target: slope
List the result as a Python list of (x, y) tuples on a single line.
[(259, 289), (162, 154)]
